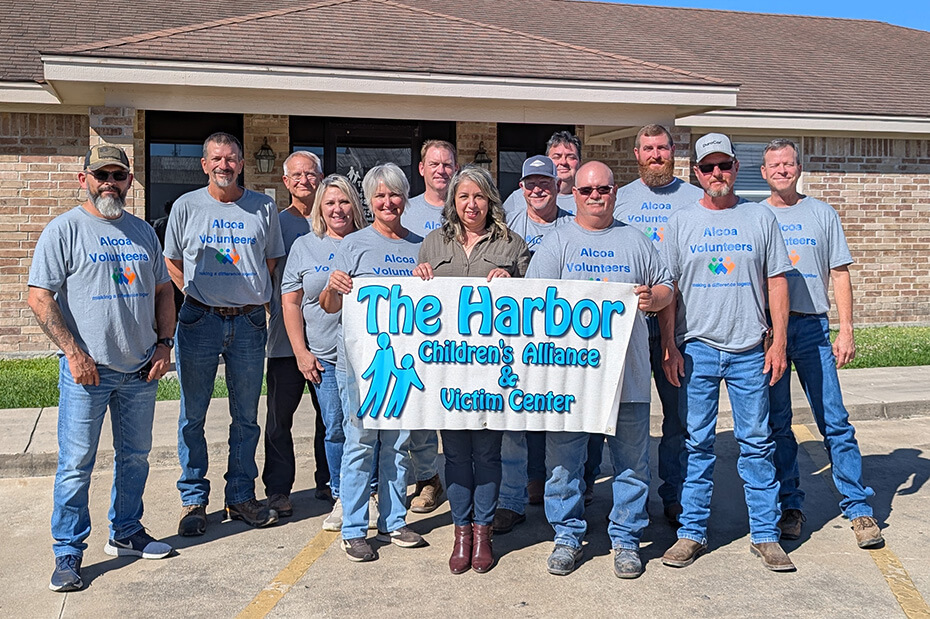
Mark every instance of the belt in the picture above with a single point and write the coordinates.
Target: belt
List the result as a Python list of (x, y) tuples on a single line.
[(222, 311), (802, 314)]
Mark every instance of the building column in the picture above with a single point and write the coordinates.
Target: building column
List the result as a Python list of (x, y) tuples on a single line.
[(255, 129)]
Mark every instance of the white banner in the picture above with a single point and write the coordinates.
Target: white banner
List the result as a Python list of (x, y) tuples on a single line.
[(509, 354)]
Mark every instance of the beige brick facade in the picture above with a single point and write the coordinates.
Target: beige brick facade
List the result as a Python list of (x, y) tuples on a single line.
[(880, 187)]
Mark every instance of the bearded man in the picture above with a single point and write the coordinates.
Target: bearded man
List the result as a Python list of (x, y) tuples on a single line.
[(647, 203)]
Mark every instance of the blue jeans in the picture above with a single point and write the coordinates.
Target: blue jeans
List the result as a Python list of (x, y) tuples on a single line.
[(473, 474), (424, 453), (327, 392), (202, 337), (747, 386), (810, 350), (566, 453), (513, 495), (361, 448), (672, 443), (81, 409)]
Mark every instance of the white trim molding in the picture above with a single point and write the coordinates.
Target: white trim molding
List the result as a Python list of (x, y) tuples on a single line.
[(737, 121), (27, 92)]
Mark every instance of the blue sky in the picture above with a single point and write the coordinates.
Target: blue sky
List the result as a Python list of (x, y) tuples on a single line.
[(910, 13)]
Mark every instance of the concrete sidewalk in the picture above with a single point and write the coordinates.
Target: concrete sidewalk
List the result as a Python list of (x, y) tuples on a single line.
[(28, 437)]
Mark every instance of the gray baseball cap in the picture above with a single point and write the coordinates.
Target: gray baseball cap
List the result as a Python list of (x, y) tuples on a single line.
[(103, 155), (539, 165), (712, 143)]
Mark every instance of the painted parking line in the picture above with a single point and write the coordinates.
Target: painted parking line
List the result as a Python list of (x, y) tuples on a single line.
[(899, 581), (266, 599)]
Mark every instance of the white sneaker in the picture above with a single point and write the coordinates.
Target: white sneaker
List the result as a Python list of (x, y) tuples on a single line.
[(333, 522), (373, 512)]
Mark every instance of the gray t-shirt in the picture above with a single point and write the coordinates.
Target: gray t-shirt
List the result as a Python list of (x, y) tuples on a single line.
[(815, 242), (648, 208), (224, 246), (616, 254), (721, 260), (104, 273), (532, 231), (368, 253), (292, 227), (421, 217), (516, 202), (309, 265)]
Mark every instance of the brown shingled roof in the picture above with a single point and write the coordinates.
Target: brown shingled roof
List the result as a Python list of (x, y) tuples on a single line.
[(384, 35), (782, 62)]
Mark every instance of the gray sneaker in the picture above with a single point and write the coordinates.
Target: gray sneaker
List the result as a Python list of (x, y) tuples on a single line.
[(563, 560), (405, 537), (358, 550), (333, 522)]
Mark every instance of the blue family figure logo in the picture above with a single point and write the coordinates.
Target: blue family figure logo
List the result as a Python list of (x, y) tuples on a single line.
[(405, 377), (380, 371)]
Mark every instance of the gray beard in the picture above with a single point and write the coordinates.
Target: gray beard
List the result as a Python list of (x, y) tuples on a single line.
[(719, 193), (108, 206)]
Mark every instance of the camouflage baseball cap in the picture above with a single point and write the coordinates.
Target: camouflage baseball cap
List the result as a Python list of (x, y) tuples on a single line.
[(103, 155)]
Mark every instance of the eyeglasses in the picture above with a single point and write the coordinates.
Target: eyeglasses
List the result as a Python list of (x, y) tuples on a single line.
[(119, 175), (603, 190), (725, 166), (304, 175)]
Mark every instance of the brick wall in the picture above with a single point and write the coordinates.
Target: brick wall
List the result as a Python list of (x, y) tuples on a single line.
[(881, 189), (276, 128), (40, 156), (619, 155)]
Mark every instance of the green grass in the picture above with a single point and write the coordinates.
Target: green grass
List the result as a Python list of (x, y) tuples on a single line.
[(881, 347), (32, 383)]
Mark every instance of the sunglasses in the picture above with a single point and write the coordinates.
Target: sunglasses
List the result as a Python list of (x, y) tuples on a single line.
[(118, 175), (602, 190), (725, 166)]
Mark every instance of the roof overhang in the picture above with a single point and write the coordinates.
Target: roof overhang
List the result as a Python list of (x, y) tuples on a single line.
[(746, 121), (196, 86)]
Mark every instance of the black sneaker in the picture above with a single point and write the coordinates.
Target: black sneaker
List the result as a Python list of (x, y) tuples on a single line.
[(253, 513), (358, 549), (405, 537), (139, 544), (193, 520), (67, 574)]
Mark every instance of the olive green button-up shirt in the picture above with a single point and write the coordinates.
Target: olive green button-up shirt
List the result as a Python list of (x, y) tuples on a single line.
[(448, 258)]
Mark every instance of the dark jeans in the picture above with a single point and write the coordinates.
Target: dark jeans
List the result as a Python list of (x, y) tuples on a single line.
[(285, 388), (473, 474)]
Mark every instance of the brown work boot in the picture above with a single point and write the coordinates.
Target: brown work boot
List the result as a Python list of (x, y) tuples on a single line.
[(683, 553), (536, 489), (868, 535), (773, 556), (427, 495), (506, 519), (281, 503), (193, 520), (790, 523), (252, 512)]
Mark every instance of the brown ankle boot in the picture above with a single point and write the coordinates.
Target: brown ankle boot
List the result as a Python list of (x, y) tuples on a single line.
[(460, 561), (482, 556)]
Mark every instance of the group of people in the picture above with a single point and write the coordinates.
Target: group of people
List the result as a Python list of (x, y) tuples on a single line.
[(727, 289)]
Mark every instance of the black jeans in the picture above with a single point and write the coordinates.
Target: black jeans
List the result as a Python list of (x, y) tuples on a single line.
[(285, 388)]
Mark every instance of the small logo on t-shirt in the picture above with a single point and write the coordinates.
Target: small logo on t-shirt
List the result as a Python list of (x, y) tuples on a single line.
[(721, 266), (655, 234), (228, 256), (794, 256), (123, 275)]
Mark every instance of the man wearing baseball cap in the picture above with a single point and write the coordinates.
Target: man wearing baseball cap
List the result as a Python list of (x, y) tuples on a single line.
[(100, 291), (564, 149), (524, 464), (725, 254)]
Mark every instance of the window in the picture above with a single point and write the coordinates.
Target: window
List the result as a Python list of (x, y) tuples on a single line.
[(515, 144)]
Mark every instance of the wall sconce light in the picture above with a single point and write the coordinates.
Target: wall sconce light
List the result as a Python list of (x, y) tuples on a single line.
[(481, 157), (264, 158)]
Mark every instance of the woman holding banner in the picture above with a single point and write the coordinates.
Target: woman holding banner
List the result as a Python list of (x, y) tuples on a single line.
[(473, 241), (364, 254), (336, 212)]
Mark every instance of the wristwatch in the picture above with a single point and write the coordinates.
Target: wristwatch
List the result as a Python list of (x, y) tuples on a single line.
[(167, 341)]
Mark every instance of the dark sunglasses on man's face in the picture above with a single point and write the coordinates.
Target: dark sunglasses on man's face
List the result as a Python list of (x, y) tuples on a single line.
[(707, 168), (603, 190), (119, 175)]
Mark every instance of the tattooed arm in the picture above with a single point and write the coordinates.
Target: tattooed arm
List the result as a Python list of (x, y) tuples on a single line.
[(48, 314)]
